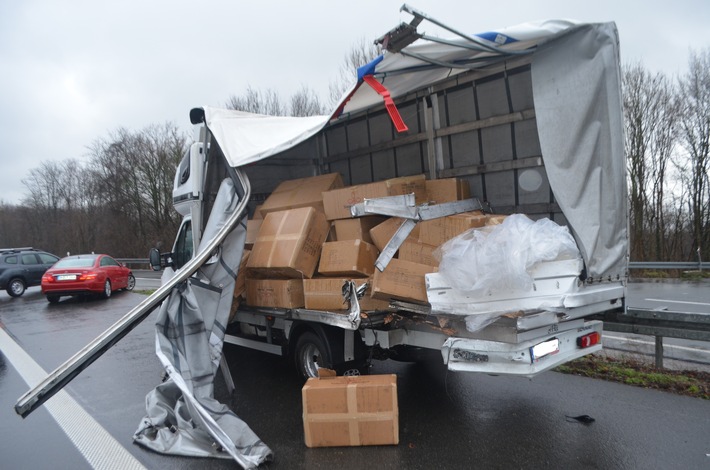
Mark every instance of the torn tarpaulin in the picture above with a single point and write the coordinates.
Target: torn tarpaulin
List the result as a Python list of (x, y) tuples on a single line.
[(182, 417)]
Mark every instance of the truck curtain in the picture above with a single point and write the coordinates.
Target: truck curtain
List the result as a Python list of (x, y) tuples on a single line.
[(182, 416)]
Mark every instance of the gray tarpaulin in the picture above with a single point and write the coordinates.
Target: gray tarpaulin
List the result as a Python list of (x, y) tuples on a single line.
[(182, 417), (577, 93)]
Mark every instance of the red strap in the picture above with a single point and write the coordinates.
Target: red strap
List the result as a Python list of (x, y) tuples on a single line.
[(389, 103)]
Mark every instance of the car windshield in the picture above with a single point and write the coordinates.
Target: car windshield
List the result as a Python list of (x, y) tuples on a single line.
[(75, 263)]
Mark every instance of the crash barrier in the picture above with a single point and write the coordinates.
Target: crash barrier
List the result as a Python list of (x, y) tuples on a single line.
[(659, 324), (140, 263), (683, 265)]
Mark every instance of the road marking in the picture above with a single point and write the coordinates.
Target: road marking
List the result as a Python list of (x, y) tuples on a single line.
[(650, 343), (97, 446), (677, 301)]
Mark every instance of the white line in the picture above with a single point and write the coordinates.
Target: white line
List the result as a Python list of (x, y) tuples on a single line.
[(97, 446), (677, 301), (665, 346)]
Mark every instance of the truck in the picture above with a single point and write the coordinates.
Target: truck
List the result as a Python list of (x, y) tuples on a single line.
[(528, 117), (532, 129)]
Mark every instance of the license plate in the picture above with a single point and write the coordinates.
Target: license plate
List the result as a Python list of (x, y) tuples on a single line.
[(66, 277), (544, 349)]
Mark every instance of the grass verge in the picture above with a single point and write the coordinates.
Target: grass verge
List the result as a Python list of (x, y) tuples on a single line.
[(145, 292), (687, 382)]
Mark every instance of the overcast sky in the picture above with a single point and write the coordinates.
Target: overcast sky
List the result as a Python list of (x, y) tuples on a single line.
[(73, 71)]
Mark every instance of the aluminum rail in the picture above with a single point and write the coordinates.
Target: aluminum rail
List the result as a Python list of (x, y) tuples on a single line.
[(63, 374)]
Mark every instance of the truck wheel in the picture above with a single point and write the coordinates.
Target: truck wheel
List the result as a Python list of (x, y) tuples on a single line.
[(310, 355), (16, 287)]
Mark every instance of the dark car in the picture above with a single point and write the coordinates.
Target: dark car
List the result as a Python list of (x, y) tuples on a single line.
[(21, 268), (86, 274)]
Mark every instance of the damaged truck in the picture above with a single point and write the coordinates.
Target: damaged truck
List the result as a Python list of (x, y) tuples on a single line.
[(467, 196)]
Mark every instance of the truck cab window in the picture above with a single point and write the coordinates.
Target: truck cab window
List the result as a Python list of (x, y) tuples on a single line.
[(183, 246)]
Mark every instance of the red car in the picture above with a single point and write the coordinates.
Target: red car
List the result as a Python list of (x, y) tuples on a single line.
[(86, 274)]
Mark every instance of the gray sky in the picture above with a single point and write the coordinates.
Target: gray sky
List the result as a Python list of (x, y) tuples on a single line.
[(74, 71)]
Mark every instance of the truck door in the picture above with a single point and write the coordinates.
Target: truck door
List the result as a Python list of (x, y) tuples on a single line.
[(184, 247)]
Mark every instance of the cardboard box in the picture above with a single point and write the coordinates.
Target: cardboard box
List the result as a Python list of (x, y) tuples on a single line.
[(257, 212), (495, 219), (337, 202), (351, 411), (437, 231), (383, 233), (357, 229), (288, 244), (301, 192), (240, 286), (253, 227), (276, 293), (326, 293), (418, 252), (447, 190), (347, 258), (402, 280)]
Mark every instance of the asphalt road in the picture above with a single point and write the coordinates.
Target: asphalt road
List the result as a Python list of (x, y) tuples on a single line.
[(447, 420)]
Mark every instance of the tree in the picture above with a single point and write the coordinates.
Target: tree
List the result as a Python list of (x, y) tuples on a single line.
[(650, 119), (258, 102), (363, 52), (695, 140)]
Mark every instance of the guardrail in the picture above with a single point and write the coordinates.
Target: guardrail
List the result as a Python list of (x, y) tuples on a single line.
[(659, 324), (690, 265), (134, 261)]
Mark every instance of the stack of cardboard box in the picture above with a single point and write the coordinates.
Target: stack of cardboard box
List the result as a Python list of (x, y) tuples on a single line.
[(304, 244)]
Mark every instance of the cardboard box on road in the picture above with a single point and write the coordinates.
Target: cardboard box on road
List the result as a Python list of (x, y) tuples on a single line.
[(351, 411)]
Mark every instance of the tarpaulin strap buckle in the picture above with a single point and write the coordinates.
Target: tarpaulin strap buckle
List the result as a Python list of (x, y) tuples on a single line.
[(389, 103)]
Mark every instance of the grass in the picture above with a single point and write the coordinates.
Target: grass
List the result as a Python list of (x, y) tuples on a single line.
[(689, 383), (145, 291)]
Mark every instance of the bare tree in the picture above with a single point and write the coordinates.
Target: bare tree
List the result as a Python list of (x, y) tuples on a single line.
[(695, 140), (305, 102), (650, 119), (363, 52), (255, 101)]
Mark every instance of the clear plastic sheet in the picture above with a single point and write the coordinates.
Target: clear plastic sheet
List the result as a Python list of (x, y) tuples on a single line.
[(501, 256)]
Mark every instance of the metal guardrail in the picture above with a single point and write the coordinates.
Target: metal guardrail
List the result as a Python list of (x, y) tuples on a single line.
[(690, 265), (659, 324), (133, 261)]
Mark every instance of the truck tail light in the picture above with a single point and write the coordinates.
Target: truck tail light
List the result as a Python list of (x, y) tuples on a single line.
[(589, 340)]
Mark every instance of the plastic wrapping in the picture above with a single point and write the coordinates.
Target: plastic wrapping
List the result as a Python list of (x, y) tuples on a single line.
[(501, 256)]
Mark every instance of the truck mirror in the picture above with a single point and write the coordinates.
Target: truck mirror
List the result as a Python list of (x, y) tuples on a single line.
[(154, 256)]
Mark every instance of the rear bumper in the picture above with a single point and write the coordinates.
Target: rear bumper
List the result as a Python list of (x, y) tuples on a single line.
[(498, 358), (73, 288)]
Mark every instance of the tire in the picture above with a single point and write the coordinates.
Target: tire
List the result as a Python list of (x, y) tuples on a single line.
[(107, 289), (52, 299), (310, 354), (131, 282), (16, 287)]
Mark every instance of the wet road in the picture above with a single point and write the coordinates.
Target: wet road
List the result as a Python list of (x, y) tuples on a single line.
[(447, 420)]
